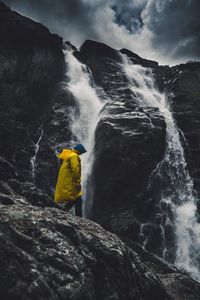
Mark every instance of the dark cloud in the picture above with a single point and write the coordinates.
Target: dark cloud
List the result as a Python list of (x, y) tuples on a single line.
[(165, 30), (65, 17), (128, 14), (47, 9), (175, 26)]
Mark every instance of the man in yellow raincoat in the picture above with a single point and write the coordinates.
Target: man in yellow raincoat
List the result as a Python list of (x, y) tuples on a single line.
[(68, 187)]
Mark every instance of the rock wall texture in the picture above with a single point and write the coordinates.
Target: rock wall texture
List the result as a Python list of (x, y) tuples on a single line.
[(131, 140), (185, 89), (31, 71), (49, 254)]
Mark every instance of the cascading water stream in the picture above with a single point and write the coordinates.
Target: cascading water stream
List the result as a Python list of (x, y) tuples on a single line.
[(177, 193), (84, 118), (34, 157)]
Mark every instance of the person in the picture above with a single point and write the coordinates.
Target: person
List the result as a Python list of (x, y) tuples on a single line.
[(68, 186)]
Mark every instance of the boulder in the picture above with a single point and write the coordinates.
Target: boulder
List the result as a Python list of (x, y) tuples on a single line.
[(129, 143), (50, 254)]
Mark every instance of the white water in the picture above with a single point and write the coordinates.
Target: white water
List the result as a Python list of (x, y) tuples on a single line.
[(85, 118), (178, 194), (34, 157)]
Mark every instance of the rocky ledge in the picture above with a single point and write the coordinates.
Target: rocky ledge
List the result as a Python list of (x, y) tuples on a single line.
[(50, 254)]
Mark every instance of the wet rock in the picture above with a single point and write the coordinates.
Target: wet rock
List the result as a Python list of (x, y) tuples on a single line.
[(128, 149), (184, 92), (47, 253), (178, 285), (130, 142), (6, 169), (136, 59), (6, 200), (9, 196), (103, 61), (31, 72)]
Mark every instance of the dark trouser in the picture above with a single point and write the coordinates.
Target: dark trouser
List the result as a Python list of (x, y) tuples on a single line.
[(78, 206)]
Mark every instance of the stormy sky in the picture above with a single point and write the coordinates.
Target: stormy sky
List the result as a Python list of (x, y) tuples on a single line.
[(164, 30)]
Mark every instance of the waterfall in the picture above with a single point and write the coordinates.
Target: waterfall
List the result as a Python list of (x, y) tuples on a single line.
[(34, 157), (177, 194), (84, 118)]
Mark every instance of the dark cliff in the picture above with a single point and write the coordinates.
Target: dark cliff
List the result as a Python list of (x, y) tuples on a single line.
[(131, 140), (122, 139), (46, 252), (31, 68), (131, 190), (185, 89)]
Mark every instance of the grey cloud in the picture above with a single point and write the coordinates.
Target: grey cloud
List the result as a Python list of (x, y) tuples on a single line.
[(69, 18), (175, 26), (128, 14)]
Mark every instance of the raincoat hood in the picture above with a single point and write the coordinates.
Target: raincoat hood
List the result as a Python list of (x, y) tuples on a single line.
[(65, 153)]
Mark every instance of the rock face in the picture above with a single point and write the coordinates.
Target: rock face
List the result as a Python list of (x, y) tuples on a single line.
[(31, 72), (130, 141), (184, 90), (178, 285), (49, 254)]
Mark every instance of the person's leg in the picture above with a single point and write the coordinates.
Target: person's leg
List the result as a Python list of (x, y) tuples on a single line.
[(78, 207), (69, 205)]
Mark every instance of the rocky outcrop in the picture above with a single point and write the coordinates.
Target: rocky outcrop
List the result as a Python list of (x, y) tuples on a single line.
[(121, 195), (130, 141), (49, 254), (136, 59)]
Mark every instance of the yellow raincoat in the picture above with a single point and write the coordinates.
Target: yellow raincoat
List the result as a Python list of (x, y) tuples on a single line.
[(69, 177)]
